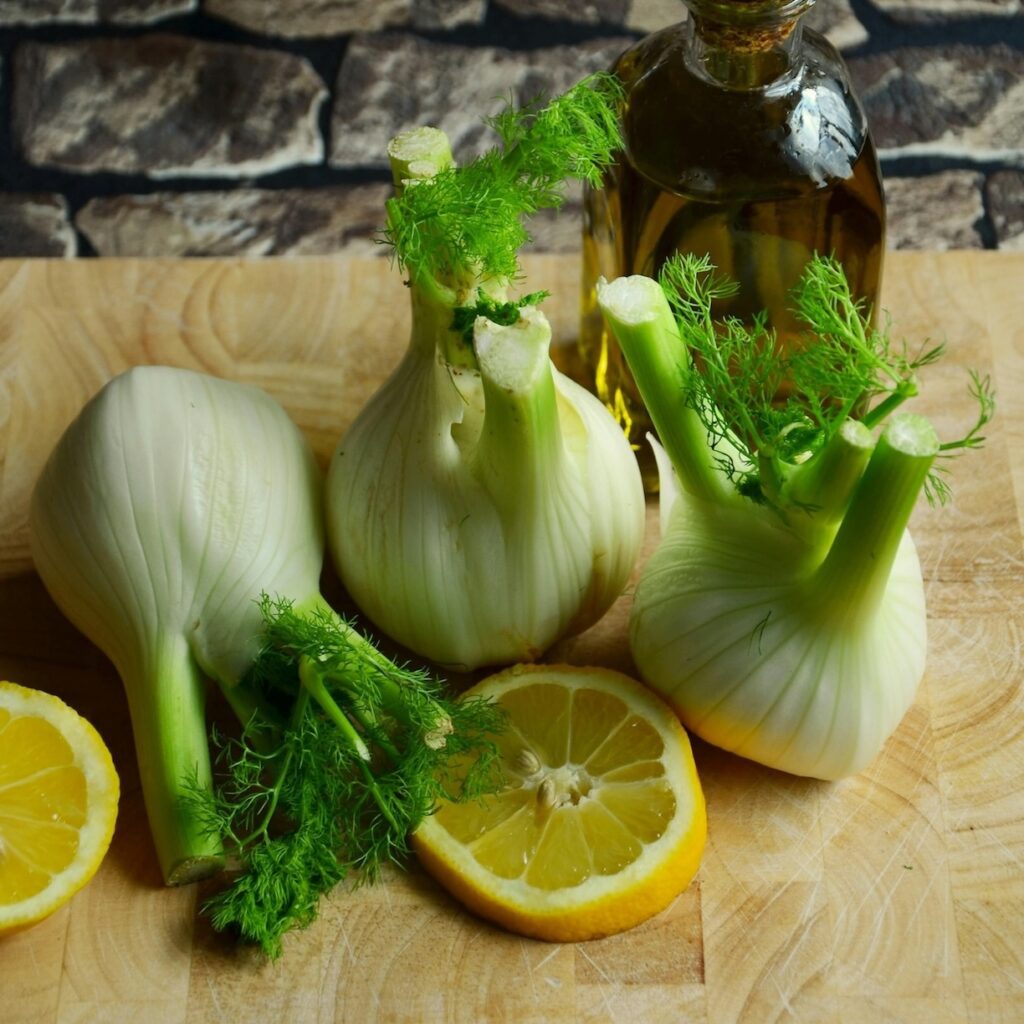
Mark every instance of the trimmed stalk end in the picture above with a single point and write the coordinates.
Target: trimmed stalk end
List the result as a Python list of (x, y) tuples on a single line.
[(911, 434), (418, 154), (630, 300), (514, 357), (517, 455), (856, 435), (194, 869)]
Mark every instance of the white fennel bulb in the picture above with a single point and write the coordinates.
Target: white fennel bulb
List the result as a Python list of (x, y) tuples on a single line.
[(482, 505), (168, 506), (763, 652), (782, 614), (478, 514)]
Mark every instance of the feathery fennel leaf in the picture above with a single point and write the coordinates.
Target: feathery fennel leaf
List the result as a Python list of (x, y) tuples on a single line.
[(301, 807), (466, 223), (768, 407)]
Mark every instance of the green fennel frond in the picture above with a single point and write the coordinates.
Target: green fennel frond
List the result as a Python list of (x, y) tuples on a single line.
[(467, 223), (768, 406), (936, 488), (303, 806), (503, 313), (844, 357)]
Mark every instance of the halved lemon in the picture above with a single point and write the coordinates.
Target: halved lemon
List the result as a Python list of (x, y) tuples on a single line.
[(601, 822), (58, 803)]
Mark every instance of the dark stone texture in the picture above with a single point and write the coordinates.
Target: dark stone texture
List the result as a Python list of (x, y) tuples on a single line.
[(835, 19), (937, 211), (589, 12), (164, 105), (242, 222), (1004, 191), (320, 18), (916, 12), (447, 13), (298, 18), (965, 101), (91, 12), (35, 225), (388, 83)]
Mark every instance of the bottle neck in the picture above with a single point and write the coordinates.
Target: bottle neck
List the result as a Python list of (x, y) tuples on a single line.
[(745, 44)]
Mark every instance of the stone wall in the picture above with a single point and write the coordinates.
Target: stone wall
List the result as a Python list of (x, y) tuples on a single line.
[(257, 127)]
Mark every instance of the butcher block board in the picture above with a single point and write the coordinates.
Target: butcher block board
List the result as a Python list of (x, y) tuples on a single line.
[(897, 895)]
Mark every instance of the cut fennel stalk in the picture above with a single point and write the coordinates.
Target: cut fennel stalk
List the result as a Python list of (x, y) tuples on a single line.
[(783, 612)]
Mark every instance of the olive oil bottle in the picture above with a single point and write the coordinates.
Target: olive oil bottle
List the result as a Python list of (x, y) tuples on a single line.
[(743, 140)]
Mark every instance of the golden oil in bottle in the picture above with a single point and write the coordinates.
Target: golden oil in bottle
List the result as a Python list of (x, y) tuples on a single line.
[(743, 140)]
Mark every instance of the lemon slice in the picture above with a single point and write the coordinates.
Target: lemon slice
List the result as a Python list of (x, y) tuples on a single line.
[(58, 803), (601, 822)]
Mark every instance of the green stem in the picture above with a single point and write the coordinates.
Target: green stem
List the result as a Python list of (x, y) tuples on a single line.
[(823, 486), (640, 317), (520, 446), (392, 692), (433, 310), (166, 698), (854, 574), (904, 390), (280, 771), (312, 681), (369, 724)]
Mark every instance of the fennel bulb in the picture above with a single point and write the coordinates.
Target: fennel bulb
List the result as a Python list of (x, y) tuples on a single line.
[(167, 507), (782, 614), (483, 505), (170, 509)]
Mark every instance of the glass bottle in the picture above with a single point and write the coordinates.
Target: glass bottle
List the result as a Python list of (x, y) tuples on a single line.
[(743, 140)]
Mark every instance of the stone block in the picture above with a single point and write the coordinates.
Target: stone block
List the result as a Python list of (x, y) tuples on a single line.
[(319, 18), (390, 82), (165, 105), (587, 12), (35, 224), (92, 12), (936, 211), (916, 12), (298, 18), (242, 222), (652, 15), (961, 101), (447, 13), (1004, 191), (837, 22)]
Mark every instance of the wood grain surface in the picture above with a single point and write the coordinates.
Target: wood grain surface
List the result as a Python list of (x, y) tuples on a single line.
[(897, 895)]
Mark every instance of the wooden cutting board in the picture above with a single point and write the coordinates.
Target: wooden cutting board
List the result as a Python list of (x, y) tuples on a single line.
[(897, 895)]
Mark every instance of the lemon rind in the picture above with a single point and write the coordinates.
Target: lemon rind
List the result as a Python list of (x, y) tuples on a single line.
[(103, 789)]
